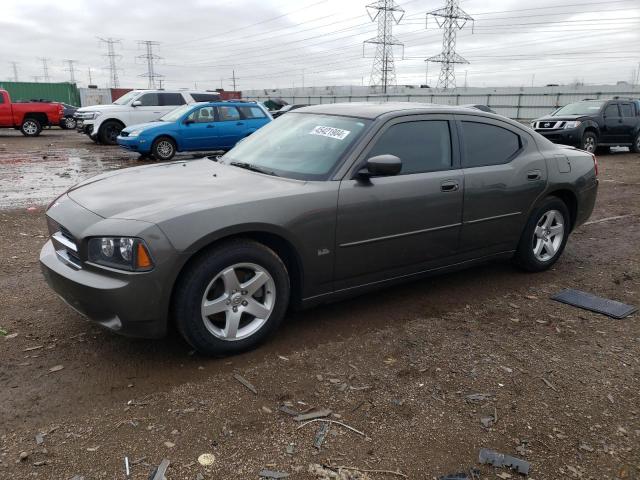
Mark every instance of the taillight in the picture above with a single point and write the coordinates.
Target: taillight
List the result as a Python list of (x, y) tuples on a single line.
[(595, 163)]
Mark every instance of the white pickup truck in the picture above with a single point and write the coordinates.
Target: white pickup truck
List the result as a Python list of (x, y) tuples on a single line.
[(102, 123)]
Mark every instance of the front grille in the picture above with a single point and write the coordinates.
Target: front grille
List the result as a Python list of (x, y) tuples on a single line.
[(65, 245), (550, 125)]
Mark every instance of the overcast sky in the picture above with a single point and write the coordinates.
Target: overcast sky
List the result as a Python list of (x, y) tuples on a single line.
[(285, 43)]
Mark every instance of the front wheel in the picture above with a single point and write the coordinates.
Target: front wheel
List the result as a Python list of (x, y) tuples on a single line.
[(163, 149), (544, 236), (231, 298), (30, 127), (109, 131), (589, 142), (635, 148), (69, 123)]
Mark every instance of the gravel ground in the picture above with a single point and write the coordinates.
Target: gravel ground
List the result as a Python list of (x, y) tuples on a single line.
[(560, 384)]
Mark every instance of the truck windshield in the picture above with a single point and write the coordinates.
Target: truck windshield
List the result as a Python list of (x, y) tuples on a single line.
[(123, 100), (579, 108), (174, 115), (298, 145)]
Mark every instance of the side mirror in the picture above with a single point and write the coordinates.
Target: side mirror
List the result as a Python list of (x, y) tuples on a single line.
[(381, 166), (136, 103)]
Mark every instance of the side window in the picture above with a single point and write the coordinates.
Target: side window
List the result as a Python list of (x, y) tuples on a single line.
[(612, 110), (228, 113), (205, 97), (251, 112), (486, 144), (626, 109), (203, 115), (423, 146), (149, 100), (171, 99), (1, 99)]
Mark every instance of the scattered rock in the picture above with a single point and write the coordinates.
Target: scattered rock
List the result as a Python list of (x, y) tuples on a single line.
[(56, 368), (272, 474), (23, 456), (206, 459), (169, 444)]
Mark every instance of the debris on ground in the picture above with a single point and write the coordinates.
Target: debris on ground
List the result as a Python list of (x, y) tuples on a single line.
[(321, 434), (39, 438), (245, 382), (473, 474), (56, 368), (593, 303), (479, 397), (496, 459), (322, 472), (3, 332), (325, 412), (160, 471), (288, 410), (272, 474), (206, 459)]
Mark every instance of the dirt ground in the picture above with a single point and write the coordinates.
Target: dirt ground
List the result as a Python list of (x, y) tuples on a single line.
[(561, 384)]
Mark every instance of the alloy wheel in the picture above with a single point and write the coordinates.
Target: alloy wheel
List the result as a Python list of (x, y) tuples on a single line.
[(30, 127), (165, 148), (548, 235), (70, 123), (589, 144), (238, 301)]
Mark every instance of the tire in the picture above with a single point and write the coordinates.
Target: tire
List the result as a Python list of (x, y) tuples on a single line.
[(589, 142), (211, 277), (538, 236), (68, 123), (30, 127), (163, 149), (109, 132), (635, 148)]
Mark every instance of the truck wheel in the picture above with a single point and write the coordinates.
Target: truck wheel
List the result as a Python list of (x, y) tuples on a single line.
[(109, 132), (231, 298), (30, 127), (635, 148), (69, 123), (589, 142), (163, 149)]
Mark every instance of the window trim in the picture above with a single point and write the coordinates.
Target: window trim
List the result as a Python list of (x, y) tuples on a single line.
[(491, 122), (612, 104)]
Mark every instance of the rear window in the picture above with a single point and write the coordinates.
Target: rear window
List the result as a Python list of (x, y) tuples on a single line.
[(171, 99), (228, 113), (486, 144), (205, 97), (626, 109), (251, 112)]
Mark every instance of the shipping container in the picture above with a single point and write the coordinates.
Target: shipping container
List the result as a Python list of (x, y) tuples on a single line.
[(228, 94), (95, 96), (116, 93), (55, 92)]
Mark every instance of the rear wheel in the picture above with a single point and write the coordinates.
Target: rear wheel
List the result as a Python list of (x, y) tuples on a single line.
[(109, 132), (69, 123), (231, 298), (635, 148), (544, 236), (163, 148), (589, 142), (30, 127)]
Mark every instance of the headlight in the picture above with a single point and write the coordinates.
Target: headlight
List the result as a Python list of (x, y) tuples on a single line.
[(134, 133), (532, 124), (571, 124), (124, 253), (88, 115)]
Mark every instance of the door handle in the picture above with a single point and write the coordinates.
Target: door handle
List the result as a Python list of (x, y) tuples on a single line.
[(534, 175), (449, 186)]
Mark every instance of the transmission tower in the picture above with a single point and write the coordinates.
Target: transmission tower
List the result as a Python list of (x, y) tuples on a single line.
[(150, 57), (45, 69), (386, 13), (111, 55), (450, 18), (14, 66), (71, 69)]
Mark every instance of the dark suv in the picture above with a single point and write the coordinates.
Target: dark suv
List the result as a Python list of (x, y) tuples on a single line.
[(594, 124)]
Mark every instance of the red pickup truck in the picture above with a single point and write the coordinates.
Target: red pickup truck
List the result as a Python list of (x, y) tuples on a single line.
[(28, 117)]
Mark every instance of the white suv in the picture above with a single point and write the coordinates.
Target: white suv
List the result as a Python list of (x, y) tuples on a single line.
[(103, 122)]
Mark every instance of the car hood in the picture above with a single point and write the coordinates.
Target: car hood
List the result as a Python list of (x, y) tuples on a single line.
[(145, 126), (560, 118), (100, 108), (155, 193)]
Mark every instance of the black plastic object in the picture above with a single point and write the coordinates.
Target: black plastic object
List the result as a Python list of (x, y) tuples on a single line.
[(501, 460), (593, 303)]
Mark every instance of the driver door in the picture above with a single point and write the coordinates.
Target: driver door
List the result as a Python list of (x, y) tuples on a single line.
[(200, 131), (398, 225)]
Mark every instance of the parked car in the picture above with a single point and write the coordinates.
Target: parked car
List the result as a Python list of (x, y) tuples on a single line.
[(325, 202), (594, 124), (28, 117), (103, 123), (68, 121), (195, 127), (287, 108)]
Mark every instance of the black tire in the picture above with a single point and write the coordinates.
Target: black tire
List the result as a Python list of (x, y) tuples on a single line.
[(196, 281), (68, 123), (525, 256), (109, 132), (163, 149), (589, 142), (31, 127), (635, 148)]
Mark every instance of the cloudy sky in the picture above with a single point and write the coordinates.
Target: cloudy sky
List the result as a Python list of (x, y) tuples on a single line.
[(286, 43)]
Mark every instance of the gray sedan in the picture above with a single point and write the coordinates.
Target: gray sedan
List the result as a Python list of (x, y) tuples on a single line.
[(325, 202)]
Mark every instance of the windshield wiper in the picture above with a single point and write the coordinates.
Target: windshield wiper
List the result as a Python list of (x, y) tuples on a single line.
[(253, 168)]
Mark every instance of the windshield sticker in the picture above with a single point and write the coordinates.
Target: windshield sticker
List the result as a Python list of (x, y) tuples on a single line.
[(330, 132)]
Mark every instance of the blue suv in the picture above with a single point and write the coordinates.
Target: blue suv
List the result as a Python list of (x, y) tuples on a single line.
[(195, 127)]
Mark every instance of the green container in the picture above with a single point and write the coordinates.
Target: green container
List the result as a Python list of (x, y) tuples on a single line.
[(56, 92)]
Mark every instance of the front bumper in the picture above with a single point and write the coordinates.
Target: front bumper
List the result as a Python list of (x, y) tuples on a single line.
[(134, 144), (86, 127), (568, 136)]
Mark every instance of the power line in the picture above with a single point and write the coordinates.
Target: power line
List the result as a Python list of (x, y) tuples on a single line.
[(111, 55), (14, 66), (150, 57), (45, 68), (70, 68), (387, 13), (450, 18)]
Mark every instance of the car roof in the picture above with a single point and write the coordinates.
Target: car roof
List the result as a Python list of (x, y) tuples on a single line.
[(373, 110)]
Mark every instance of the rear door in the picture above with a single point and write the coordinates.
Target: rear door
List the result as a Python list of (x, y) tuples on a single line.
[(201, 131), (504, 173), (629, 122), (398, 225), (611, 130), (230, 124), (253, 117), (154, 105)]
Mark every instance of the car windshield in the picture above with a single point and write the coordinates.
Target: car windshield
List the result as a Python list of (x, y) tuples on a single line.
[(298, 145), (123, 100), (579, 108), (174, 115)]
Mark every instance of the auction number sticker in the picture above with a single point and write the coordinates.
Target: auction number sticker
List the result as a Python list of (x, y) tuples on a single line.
[(330, 132)]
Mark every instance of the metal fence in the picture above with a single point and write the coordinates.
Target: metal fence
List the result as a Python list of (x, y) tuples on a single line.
[(521, 106)]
